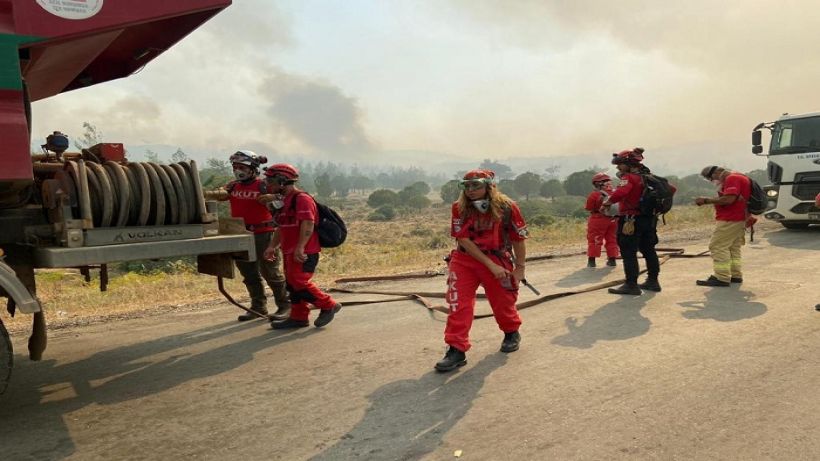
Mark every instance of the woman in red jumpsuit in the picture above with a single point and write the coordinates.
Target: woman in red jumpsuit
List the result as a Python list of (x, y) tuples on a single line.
[(490, 233), (601, 226)]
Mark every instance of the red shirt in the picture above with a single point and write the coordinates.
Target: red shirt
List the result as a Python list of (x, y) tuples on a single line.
[(290, 218), (596, 198), (628, 194), (244, 205), (594, 201), (487, 233), (734, 184), (817, 201)]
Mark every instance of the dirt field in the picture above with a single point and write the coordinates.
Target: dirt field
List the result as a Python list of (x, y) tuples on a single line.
[(688, 373)]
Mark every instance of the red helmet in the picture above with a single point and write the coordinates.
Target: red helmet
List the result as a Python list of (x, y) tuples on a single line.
[(480, 174), (282, 169), (630, 156), (600, 177)]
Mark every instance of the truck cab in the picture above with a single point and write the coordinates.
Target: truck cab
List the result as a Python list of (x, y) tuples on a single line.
[(793, 168)]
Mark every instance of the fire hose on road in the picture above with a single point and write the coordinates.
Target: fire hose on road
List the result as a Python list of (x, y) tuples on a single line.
[(665, 255)]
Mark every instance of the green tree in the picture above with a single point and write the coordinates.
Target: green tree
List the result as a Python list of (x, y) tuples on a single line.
[(552, 172), (417, 202), (507, 186), (179, 156), (153, 157), (382, 197), (382, 213), (450, 191), (579, 183), (361, 183), (219, 165), (567, 206), (552, 188), (501, 170), (411, 191), (324, 188), (421, 187), (341, 185), (217, 172), (90, 137), (527, 184)]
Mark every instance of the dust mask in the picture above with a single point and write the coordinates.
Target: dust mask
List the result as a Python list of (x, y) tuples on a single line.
[(241, 175), (482, 205)]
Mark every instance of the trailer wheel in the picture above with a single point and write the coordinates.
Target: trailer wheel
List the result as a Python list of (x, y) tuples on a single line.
[(794, 225), (6, 358)]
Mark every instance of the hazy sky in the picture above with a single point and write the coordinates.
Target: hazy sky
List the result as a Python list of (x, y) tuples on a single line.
[(467, 78)]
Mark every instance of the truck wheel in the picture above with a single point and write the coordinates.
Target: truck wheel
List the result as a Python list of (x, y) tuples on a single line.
[(6, 358), (794, 225)]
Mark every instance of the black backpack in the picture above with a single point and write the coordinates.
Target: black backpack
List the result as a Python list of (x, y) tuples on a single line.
[(657, 196), (331, 227), (757, 198)]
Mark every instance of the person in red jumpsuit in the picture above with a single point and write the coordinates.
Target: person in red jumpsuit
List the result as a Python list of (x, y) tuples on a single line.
[(602, 226), (295, 233), (636, 232), (490, 233), (243, 194)]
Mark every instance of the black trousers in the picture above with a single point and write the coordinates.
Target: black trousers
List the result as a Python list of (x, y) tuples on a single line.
[(644, 240)]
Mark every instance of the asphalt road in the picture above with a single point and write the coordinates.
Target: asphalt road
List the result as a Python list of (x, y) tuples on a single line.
[(688, 373)]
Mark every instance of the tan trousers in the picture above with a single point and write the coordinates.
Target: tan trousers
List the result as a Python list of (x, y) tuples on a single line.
[(725, 245)]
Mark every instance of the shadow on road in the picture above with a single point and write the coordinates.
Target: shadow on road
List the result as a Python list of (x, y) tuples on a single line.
[(585, 275), (616, 321), (724, 305), (409, 418), (798, 239), (113, 376)]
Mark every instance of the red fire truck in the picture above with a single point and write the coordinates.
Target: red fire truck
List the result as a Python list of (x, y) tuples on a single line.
[(86, 209)]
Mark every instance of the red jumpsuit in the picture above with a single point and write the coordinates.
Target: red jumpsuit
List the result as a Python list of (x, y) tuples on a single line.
[(601, 229), (298, 207), (466, 274)]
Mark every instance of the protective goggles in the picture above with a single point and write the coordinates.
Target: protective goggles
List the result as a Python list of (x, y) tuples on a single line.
[(472, 184), (276, 179)]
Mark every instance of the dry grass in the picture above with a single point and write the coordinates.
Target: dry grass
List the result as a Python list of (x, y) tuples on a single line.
[(410, 243)]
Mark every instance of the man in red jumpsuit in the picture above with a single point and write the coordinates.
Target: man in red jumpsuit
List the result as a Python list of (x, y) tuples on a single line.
[(602, 225), (636, 232), (243, 194), (490, 233), (297, 237)]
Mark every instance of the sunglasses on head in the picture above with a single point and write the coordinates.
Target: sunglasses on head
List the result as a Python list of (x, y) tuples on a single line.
[(471, 184)]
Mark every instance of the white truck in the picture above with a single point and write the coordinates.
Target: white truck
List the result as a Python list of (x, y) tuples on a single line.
[(793, 168)]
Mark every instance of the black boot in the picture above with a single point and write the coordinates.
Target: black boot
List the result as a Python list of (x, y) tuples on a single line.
[(511, 342), (282, 311), (453, 359), (289, 323), (326, 315), (590, 262), (610, 262), (713, 281), (626, 289), (248, 316), (651, 284)]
